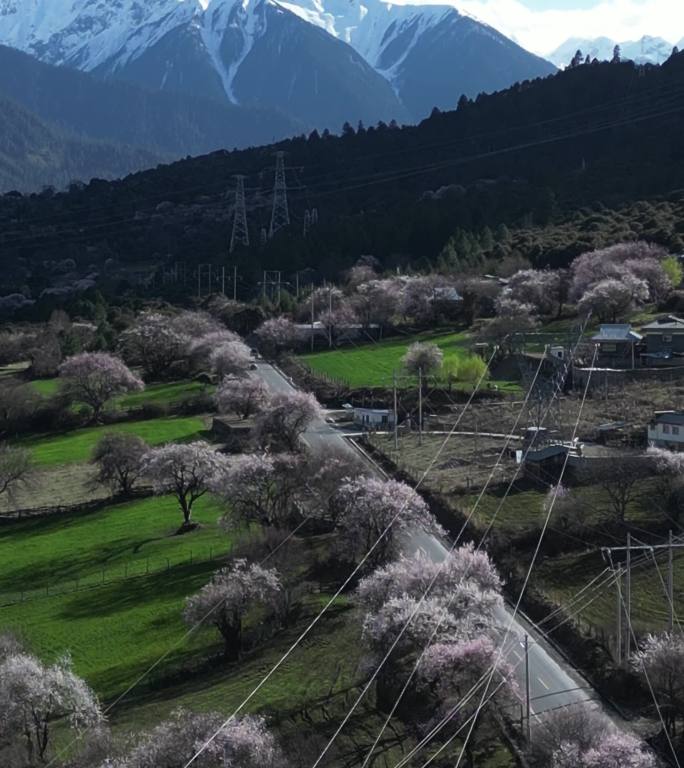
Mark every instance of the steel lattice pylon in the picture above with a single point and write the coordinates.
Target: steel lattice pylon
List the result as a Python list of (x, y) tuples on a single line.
[(280, 217), (240, 235)]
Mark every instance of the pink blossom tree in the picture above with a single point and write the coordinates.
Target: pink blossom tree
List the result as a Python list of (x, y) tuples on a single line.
[(451, 669), (367, 510), (231, 358), (260, 488), (195, 324), (202, 347), (662, 658), (581, 737), (226, 599), (423, 356), (183, 470), (285, 418), (35, 699), (243, 742), (543, 289), (94, 378), (276, 335), (153, 343), (512, 316), (613, 298), (244, 396), (610, 263), (618, 750), (377, 301)]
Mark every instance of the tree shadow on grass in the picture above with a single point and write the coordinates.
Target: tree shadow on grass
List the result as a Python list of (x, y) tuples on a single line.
[(175, 583)]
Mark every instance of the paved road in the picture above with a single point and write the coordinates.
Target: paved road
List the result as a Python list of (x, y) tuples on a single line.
[(553, 682)]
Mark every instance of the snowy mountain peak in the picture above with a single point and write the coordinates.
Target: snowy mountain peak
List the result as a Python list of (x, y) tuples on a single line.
[(86, 33), (647, 50)]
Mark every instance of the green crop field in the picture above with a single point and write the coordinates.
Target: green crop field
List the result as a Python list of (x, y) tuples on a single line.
[(78, 445), (113, 630), (372, 365)]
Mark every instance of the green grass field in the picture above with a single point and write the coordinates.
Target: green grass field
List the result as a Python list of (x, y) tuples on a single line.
[(372, 365), (77, 446), (165, 394), (112, 630)]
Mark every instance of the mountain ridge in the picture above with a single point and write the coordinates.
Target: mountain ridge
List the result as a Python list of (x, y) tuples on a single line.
[(430, 55)]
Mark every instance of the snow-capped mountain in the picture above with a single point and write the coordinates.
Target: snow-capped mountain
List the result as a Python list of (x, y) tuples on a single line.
[(647, 50), (430, 53), (320, 61)]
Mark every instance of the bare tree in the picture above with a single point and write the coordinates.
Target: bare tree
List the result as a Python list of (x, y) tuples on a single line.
[(118, 458), (620, 477), (16, 467)]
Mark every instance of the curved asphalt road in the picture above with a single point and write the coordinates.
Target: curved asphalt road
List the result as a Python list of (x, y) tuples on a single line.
[(553, 681)]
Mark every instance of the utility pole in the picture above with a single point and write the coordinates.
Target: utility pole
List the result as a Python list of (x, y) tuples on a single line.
[(396, 415), (420, 406), (527, 686), (618, 617), (330, 309), (628, 597), (307, 223), (670, 580), (240, 234), (626, 600), (223, 280), (280, 216), (313, 317), (235, 277)]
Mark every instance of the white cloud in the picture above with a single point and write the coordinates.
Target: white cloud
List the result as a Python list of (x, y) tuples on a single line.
[(543, 31)]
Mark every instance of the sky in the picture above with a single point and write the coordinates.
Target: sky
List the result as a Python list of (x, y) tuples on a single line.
[(542, 25)]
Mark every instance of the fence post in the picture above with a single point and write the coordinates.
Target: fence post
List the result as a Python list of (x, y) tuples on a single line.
[(103, 575), (147, 565)]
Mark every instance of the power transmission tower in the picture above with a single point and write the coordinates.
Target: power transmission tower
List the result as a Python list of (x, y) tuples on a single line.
[(280, 217), (240, 235)]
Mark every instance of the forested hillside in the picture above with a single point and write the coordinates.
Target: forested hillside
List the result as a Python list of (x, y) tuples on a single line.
[(34, 153), (541, 154)]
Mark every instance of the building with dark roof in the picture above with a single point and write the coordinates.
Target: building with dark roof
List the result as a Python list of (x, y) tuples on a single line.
[(663, 342), (617, 346)]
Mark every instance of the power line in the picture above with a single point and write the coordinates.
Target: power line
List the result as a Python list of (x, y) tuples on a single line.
[(332, 600), (387, 177)]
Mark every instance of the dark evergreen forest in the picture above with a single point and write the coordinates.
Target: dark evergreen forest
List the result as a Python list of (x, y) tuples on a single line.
[(543, 169)]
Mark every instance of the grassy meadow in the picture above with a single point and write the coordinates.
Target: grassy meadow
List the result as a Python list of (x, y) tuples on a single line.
[(77, 446), (372, 365)]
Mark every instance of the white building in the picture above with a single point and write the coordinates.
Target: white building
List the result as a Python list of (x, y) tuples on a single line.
[(374, 418), (667, 430)]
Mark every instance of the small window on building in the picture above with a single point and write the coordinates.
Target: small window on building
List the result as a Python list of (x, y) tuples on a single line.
[(667, 338), (675, 430), (666, 429), (608, 347)]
